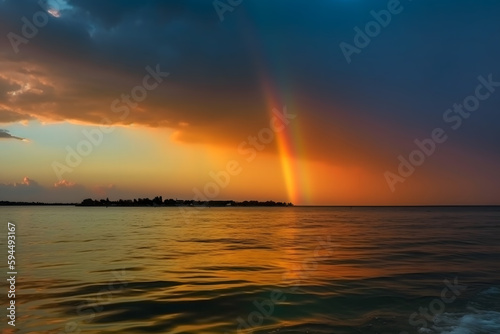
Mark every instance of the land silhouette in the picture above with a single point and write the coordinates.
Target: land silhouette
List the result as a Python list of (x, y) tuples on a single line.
[(158, 201), (155, 202)]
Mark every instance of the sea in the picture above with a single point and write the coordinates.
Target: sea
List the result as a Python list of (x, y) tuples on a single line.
[(343, 270)]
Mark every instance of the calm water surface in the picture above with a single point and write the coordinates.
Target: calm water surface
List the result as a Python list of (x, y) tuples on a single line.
[(255, 270)]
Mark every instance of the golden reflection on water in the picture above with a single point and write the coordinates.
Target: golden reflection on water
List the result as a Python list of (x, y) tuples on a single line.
[(121, 270)]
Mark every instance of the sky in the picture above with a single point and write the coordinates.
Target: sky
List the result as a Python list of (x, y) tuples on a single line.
[(331, 102)]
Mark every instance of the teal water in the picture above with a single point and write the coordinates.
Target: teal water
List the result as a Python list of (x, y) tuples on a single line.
[(255, 270)]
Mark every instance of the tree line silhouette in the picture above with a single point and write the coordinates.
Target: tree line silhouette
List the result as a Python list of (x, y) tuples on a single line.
[(158, 201)]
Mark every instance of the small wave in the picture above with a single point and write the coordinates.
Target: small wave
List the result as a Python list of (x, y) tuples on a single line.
[(479, 322), (491, 291)]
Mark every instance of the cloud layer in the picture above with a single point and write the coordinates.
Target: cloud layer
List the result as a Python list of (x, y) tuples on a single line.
[(226, 76), (4, 134)]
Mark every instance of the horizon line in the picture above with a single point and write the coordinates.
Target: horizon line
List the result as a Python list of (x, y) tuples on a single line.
[(21, 203)]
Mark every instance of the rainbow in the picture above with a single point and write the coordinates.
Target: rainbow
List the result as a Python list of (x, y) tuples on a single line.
[(289, 141), (291, 148)]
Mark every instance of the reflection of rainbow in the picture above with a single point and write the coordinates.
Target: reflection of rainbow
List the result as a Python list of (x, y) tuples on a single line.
[(291, 149)]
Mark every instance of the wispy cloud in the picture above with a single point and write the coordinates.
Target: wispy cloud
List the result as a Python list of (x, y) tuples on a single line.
[(29, 190), (4, 134)]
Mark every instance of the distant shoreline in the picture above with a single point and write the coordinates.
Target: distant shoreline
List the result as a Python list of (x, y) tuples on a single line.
[(249, 204), (156, 202)]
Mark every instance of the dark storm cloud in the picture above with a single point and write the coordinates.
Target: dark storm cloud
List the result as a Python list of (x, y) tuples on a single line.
[(394, 90), (4, 134), (9, 116), (114, 12), (6, 86)]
